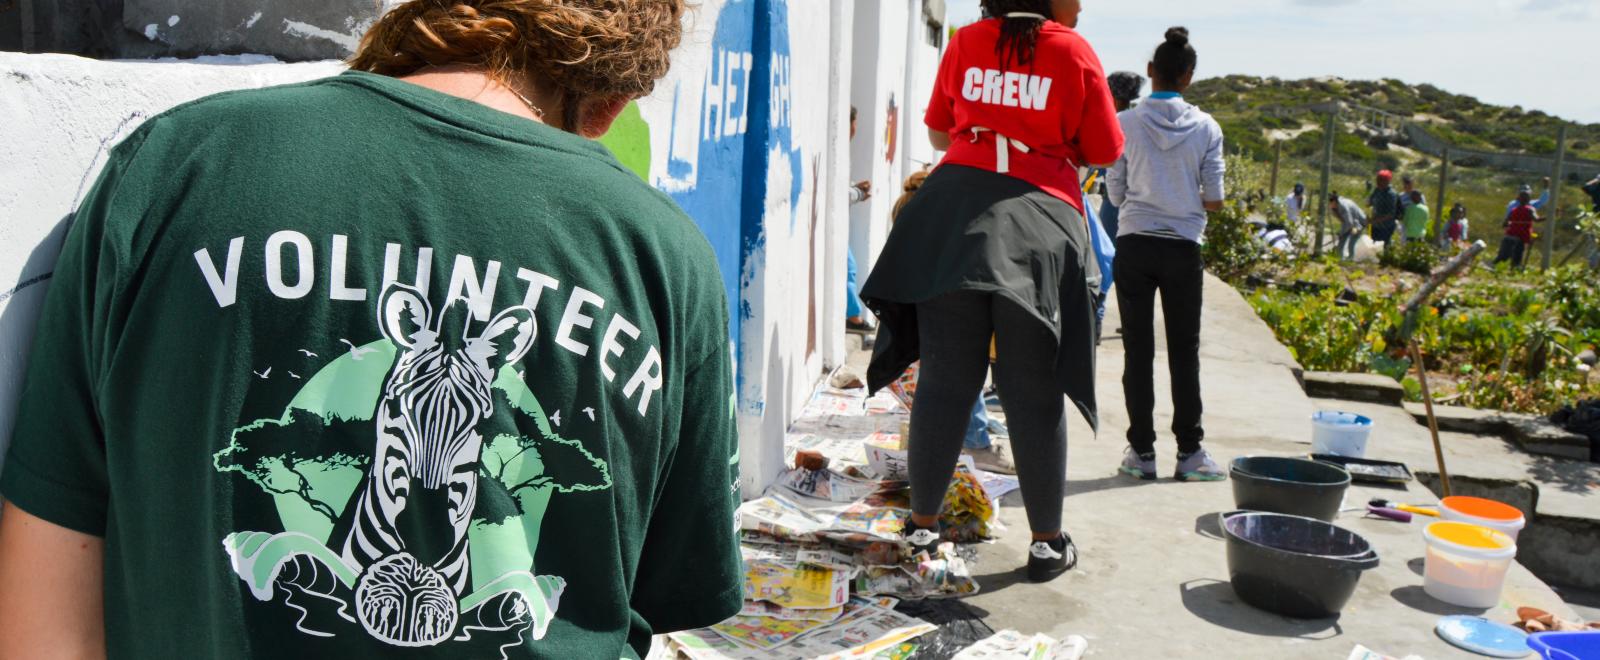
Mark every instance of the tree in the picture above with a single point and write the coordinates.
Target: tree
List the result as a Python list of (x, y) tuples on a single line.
[(285, 456)]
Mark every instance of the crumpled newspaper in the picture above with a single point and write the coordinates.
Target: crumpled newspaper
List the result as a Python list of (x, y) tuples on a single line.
[(1013, 645), (968, 510), (944, 575)]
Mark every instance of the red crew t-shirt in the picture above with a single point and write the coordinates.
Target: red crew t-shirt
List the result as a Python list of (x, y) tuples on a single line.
[(1058, 106)]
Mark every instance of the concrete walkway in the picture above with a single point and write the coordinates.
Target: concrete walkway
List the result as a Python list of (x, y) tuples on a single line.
[(1153, 578)]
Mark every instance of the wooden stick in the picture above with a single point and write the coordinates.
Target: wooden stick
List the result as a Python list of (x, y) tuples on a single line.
[(1433, 422), (1412, 310), (1438, 277)]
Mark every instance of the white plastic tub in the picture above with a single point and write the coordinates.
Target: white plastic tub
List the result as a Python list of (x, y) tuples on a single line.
[(1340, 433), (1497, 516), (1466, 564)]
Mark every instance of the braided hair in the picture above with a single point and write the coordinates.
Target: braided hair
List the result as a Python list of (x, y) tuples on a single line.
[(1018, 36)]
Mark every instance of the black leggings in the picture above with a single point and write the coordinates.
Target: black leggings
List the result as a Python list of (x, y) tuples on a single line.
[(954, 331)]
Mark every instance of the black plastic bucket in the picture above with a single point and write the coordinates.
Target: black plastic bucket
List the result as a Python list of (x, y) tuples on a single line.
[(1295, 486), (1293, 565)]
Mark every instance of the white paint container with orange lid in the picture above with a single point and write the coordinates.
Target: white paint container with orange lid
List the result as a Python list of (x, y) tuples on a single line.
[(1497, 516)]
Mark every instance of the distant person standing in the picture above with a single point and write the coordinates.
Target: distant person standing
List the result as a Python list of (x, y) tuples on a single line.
[(860, 191), (1351, 221), (1519, 231), (1126, 86), (1385, 205), (1456, 230), (1537, 203), (1415, 218), (1408, 186), (1169, 176), (1295, 204)]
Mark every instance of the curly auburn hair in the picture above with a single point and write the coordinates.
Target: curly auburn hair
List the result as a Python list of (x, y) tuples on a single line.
[(583, 47)]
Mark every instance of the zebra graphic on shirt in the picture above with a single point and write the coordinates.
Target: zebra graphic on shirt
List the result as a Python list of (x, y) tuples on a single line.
[(408, 523), (374, 468)]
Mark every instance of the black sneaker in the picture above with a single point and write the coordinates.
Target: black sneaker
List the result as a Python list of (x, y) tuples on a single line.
[(922, 539), (1048, 559)]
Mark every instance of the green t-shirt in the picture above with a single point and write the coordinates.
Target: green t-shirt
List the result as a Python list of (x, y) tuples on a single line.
[(1416, 221), (352, 368)]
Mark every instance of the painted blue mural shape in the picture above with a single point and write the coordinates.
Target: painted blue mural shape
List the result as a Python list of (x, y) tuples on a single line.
[(745, 118)]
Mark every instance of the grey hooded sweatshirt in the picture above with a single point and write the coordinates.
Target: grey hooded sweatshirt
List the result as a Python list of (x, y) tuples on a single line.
[(1171, 163)]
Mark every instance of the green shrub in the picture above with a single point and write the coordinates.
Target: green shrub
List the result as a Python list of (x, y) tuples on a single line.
[(1415, 257), (1230, 248), (1347, 145)]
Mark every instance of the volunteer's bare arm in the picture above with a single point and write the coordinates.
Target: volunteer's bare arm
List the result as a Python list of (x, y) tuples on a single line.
[(51, 599)]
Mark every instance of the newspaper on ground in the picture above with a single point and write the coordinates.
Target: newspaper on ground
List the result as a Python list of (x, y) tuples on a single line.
[(766, 550), (879, 629), (779, 517), (997, 485), (802, 587), (846, 451), (968, 509), (1013, 645), (823, 549), (826, 484), (885, 403), (774, 611), (766, 633), (867, 628), (944, 575), (904, 388)]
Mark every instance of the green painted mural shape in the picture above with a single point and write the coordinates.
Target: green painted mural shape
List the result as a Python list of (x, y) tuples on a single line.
[(629, 141), (311, 484)]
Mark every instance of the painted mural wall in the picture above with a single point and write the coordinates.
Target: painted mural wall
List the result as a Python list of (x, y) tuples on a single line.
[(879, 94), (741, 135), (748, 133)]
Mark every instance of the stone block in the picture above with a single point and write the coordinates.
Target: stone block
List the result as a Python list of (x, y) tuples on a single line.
[(1536, 435), (1562, 549), (1375, 388), (1461, 419)]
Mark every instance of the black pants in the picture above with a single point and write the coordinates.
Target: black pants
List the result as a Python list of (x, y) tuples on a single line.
[(1512, 249), (954, 331), (1383, 232), (1145, 265)]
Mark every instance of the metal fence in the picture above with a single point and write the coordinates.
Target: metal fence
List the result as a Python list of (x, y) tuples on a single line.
[(1357, 141)]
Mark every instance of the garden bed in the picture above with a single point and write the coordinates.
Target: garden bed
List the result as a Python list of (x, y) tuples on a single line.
[(1492, 338)]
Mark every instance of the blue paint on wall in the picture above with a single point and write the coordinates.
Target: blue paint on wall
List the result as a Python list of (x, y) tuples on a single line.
[(714, 201), (744, 114)]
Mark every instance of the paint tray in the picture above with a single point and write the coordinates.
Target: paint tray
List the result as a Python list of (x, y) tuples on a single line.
[(1367, 470)]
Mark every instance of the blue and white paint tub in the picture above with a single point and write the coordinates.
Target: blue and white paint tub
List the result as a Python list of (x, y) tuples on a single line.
[(1340, 433)]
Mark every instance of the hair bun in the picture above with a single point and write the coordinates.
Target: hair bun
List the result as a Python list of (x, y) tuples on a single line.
[(1178, 36)]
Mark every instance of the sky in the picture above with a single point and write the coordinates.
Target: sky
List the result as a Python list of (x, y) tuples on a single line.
[(1539, 54)]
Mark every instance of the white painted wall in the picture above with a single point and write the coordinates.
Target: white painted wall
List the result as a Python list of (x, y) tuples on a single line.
[(60, 113), (841, 39), (877, 85), (922, 67)]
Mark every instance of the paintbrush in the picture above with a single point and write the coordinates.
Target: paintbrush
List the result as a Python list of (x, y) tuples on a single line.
[(1412, 508)]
